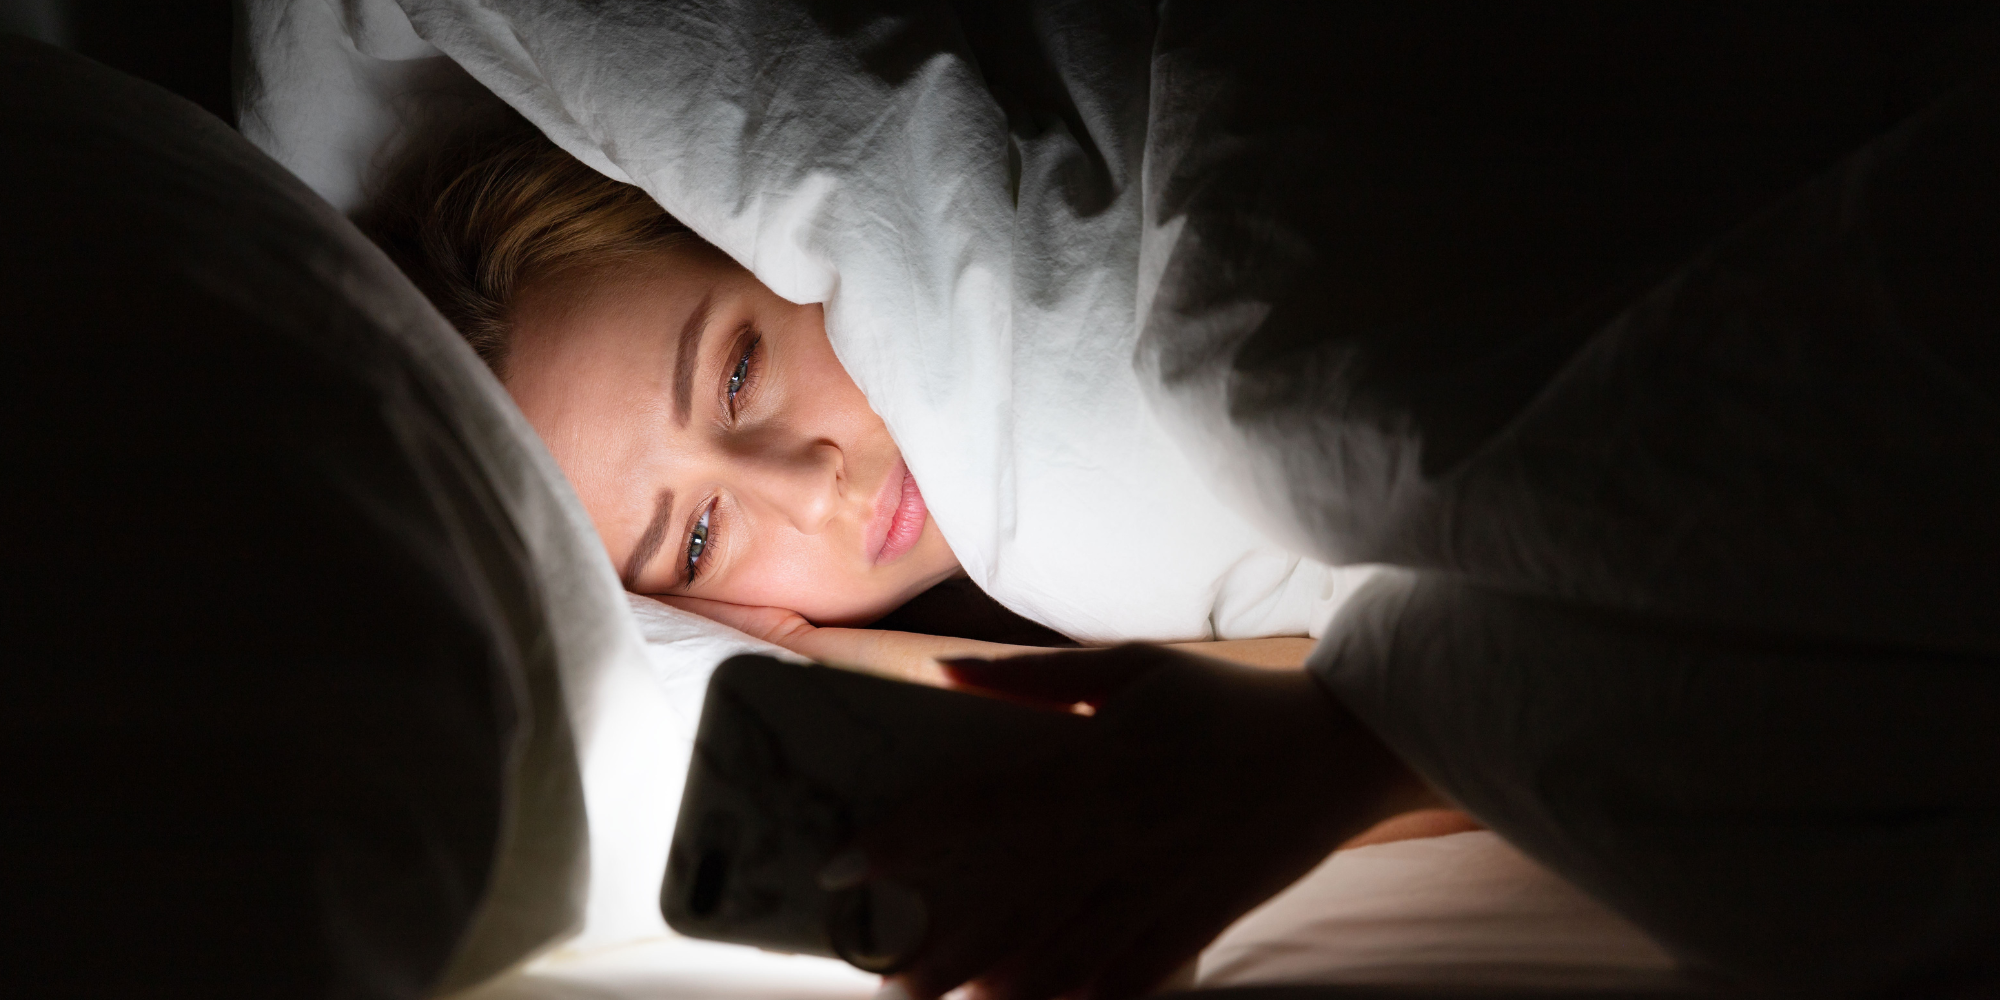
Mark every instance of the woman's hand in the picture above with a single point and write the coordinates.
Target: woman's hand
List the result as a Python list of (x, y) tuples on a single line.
[(1096, 869), (903, 655), (776, 626)]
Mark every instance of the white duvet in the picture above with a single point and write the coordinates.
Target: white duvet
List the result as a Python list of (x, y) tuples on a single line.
[(980, 287)]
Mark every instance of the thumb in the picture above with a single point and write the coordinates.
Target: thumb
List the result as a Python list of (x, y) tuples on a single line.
[(1064, 678)]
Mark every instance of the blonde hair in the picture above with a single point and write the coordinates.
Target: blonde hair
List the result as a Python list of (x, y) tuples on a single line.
[(472, 224)]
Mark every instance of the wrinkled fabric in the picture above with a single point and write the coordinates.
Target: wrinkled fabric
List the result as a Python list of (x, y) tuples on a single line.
[(1648, 343), (337, 91), (959, 186), (1430, 310), (1781, 811), (1663, 367)]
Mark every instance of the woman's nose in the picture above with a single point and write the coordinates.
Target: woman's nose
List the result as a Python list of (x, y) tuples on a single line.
[(802, 485)]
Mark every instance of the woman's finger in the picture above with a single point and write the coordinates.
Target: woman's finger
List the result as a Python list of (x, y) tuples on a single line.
[(1068, 955)]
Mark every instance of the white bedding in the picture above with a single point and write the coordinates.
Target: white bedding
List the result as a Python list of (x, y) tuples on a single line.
[(981, 286), (1463, 909)]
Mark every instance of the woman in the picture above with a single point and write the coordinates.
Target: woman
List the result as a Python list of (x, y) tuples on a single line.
[(730, 465)]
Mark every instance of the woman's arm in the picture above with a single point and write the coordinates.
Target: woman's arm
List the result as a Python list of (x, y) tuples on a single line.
[(905, 655), (1284, 652), (1197, 790), (913, 656)]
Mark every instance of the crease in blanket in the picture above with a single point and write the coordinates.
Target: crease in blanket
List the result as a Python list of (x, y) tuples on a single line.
[(334, 90)]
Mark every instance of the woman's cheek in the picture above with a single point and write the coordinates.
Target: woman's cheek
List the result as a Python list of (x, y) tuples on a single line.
[(800, 573)]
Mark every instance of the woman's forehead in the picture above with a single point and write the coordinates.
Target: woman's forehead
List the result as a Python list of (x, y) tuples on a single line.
[(596, 333), (594, 371)]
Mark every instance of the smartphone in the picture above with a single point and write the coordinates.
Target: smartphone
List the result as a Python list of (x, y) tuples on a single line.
[(790, 761)]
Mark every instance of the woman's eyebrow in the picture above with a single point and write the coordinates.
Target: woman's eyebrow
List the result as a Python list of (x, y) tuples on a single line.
[(649, 543), (686, 353)]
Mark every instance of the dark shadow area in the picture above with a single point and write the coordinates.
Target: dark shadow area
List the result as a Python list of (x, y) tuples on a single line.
[(185, 46), (959, 608)]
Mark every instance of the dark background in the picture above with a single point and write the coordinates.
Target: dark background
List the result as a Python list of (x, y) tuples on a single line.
[(185, 46)]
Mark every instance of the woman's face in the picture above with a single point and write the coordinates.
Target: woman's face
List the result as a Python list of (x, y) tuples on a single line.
[(720, 448)]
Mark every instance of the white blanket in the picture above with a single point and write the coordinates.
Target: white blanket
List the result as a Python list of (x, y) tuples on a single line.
[(979, 282), (1106, 536)]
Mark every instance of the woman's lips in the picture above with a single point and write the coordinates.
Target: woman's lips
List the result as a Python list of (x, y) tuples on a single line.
[(900, 514)]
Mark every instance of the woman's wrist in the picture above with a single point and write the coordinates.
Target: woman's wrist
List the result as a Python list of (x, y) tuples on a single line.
[(1361, 782), (1275, 653)]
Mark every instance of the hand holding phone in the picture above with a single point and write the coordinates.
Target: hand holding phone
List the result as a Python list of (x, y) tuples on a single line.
[(1033, 850)]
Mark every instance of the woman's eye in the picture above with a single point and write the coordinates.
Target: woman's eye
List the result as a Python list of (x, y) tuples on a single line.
[(740, 377), (697, 541)]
